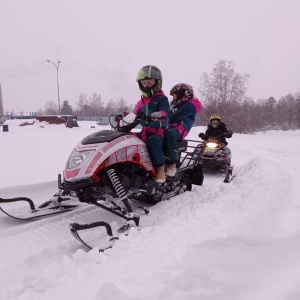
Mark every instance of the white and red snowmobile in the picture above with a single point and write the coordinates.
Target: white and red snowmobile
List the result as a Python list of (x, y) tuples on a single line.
[(112, 170)]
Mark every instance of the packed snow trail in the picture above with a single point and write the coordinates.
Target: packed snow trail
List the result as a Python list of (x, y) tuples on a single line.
[(220, 241)]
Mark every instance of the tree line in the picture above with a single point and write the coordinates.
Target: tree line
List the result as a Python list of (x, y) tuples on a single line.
[(223, 91), (88, 106)]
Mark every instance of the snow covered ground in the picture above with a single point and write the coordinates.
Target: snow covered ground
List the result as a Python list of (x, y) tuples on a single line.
[(236, 241)]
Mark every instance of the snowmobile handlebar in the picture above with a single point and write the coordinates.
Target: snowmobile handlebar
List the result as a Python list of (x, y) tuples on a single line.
[(121, 124), (148, 118), (205, 137)]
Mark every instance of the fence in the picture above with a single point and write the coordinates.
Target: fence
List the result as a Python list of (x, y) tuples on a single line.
[(33, 115), (20, 115), (100, 120)]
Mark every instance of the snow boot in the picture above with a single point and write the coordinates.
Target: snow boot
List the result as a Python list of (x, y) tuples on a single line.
[(171, 170), (160, 175)]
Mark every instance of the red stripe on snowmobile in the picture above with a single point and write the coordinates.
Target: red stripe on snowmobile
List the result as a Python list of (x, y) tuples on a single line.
[(93, 162), (73, 173)]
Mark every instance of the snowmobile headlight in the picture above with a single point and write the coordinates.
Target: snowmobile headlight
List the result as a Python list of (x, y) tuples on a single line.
[(212, 145), (77, 157)]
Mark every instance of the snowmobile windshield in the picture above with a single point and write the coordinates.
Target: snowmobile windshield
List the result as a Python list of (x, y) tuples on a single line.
[(103, 136)]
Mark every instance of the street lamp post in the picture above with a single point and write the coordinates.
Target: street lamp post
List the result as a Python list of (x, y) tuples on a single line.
[(57, 67), (298, 112)]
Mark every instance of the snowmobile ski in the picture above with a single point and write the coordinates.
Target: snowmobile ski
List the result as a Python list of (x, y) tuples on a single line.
[(229, 179), (91, 236), (47, 209), (229, 176)]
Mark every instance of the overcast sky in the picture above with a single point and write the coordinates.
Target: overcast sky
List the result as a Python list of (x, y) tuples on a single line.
[(102, 44)]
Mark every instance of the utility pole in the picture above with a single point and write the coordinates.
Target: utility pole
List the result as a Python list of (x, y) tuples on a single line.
[(57, 67), (298, 112), (2, 118)]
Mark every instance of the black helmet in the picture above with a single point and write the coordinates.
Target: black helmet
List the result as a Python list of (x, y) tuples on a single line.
[(150, 72), (183, 91)]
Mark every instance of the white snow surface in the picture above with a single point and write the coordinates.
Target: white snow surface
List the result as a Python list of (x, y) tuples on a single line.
[(229, 241)]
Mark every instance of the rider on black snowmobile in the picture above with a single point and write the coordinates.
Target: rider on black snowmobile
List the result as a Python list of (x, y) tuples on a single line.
[(216, 129)]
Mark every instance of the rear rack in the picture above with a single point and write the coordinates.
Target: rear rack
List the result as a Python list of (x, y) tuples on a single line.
[(191, 154)]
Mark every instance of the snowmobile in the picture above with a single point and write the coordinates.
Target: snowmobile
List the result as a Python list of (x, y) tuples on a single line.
[(112, 170), (216, 156)]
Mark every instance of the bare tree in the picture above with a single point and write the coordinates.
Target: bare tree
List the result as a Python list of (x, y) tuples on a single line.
[(285, 113), (270, 109), (82, 101), (298, 112), (246, 115), (111, 108), (51, 108), (97, 105), (222, 90), (122, 105), (87, 110), (40, 112)]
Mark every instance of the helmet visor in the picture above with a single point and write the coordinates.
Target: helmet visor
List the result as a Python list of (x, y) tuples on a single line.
[(146, 83)]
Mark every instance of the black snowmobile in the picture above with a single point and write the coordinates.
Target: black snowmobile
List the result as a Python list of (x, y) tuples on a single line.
[(216, 156)]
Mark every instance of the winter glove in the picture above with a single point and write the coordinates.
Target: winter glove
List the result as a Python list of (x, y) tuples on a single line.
[(203, 136), (139, 115), (227, 134), (156, 115), (126, 128)]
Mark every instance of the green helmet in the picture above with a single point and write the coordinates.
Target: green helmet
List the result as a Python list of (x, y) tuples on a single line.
[(149, 72)]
